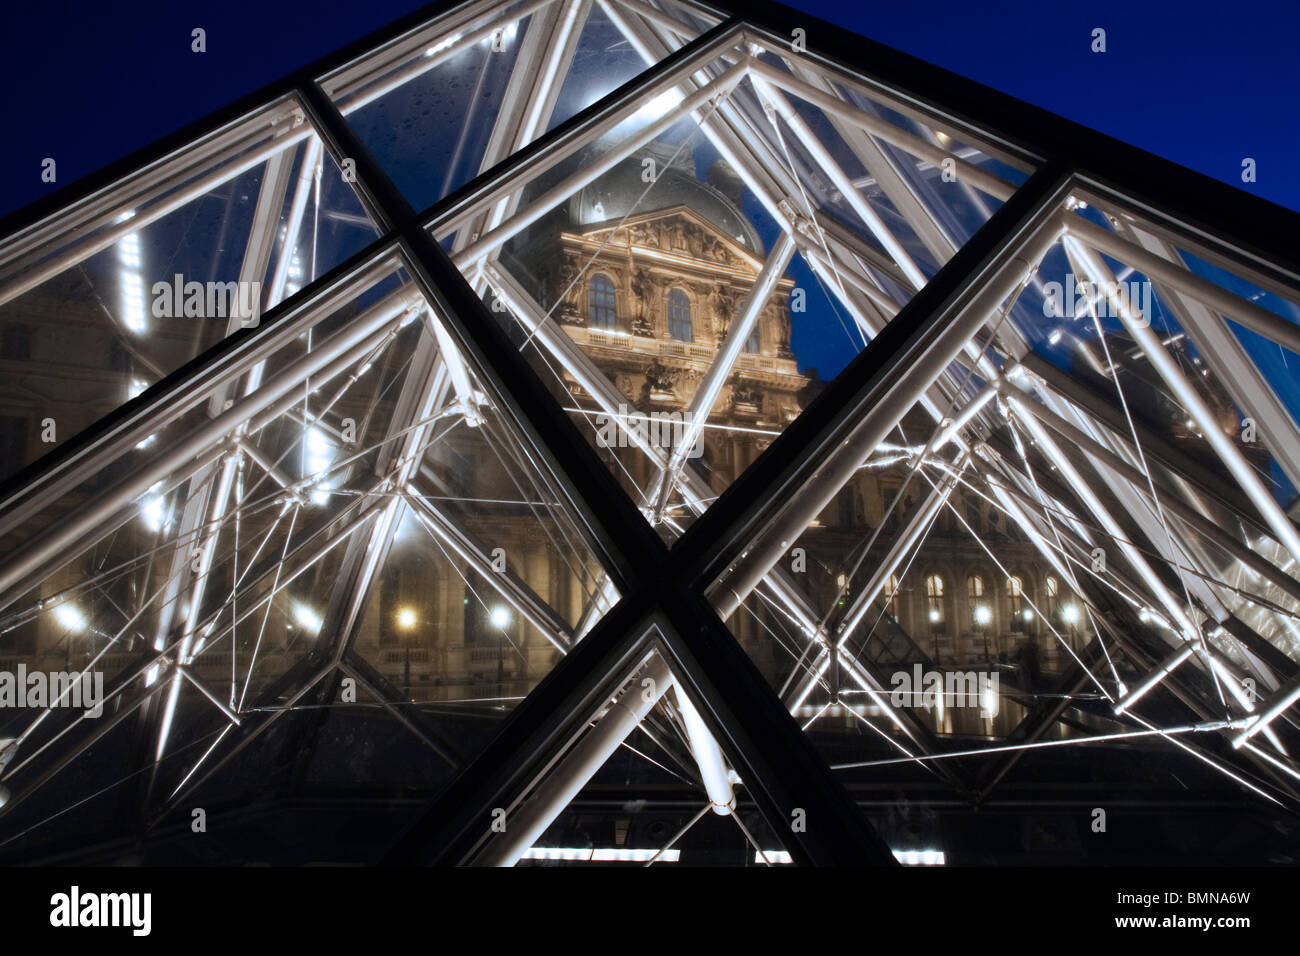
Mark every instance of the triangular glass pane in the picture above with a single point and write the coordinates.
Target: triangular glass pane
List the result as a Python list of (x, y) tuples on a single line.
[(936, 605), (485, 586)]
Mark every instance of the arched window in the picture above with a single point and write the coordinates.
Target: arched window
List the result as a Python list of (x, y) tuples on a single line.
[(1053, 598), (601, 299), (1016, 602), (891, 595), (981, 614), (679, 316), (752, 342), (934, 601)]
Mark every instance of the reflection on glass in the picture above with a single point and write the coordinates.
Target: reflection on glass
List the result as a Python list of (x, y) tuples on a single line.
[(161, 282)]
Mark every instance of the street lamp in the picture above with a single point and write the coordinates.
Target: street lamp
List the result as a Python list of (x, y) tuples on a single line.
[(406, 619), (1070, 614), (70, 618), (307, 618)]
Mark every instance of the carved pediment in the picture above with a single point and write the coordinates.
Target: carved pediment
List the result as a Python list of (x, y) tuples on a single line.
[(683, 232)]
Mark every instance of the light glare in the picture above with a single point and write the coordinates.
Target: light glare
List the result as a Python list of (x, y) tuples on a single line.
[(307, 618), (70, 618)]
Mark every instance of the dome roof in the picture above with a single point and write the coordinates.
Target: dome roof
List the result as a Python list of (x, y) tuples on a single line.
[(613, 195)]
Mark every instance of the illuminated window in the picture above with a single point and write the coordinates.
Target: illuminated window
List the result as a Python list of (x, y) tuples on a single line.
[(1053, 598), (679, 316), (1016, 602), (934, 601), (752, 343), (891, 595), (601, 300), (979, 609)]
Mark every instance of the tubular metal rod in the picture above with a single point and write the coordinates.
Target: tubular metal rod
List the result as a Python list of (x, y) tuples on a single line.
[(912, 369), (1191, 400), (567, 778), (65, 535), (540, 205), (711, 386), (989, 183), (1241, 311)]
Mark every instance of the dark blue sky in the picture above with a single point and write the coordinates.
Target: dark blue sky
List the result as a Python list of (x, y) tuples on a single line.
[(1201, 83)]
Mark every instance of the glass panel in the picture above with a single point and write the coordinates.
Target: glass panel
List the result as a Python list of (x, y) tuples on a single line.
[(228, 560), (102, 301), (453, 99), (429, 119), (1224, 393), (487, 583), (907, 186), (1068, 319), (603, 61), (913, 572)]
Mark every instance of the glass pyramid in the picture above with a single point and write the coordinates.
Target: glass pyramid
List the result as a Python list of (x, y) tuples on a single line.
[(567, 418)]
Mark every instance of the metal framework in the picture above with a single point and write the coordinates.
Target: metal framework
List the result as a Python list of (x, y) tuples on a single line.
[(841, 145)]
